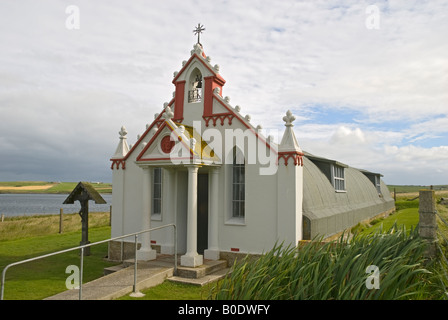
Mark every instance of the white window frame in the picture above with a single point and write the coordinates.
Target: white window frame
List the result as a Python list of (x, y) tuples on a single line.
[(231, 218), (378, 184), (159, 185), (238, 187), (339, 178)]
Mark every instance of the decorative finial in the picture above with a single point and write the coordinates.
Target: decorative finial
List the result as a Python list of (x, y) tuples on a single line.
[(168, 113), (123, 133), (289, 118), (198, 31)]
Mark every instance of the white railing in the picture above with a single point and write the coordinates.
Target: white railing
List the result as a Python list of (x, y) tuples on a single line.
[(135, 234)]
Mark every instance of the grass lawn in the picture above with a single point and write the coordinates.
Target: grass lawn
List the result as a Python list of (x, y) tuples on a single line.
[(407, 217), (42, 278), (174, 291)]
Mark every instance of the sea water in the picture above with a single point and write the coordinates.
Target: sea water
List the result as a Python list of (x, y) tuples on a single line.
[(31, 204)]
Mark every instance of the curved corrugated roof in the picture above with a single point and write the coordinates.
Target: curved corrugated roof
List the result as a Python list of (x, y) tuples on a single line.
[(330, 211)]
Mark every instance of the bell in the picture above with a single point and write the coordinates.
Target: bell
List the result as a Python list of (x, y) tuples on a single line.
[(199, 81)]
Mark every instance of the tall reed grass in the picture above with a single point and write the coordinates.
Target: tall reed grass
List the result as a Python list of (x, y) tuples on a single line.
[(337, 270)]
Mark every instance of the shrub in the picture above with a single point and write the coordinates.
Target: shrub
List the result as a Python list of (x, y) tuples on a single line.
[(336, 270)]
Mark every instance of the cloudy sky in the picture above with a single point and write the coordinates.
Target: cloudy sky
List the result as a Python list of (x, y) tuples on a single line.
[(368, 85)]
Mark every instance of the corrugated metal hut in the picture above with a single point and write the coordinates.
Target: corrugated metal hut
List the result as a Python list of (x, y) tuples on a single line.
[(337, 197)]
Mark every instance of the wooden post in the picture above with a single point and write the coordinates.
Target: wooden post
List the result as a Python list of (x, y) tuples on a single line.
[(3, 217), (85, 225), (427, 221), (61, 225), (395, 194)]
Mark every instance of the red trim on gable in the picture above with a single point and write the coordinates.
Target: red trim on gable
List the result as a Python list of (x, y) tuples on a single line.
[(151, 141), (179, 100), (220, 116), (157, 122), (295, 155), (221, 79), (243, 122), (117, 163), (140, 156)]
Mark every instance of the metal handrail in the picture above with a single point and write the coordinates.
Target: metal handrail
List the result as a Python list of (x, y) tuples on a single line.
[(135, 234)]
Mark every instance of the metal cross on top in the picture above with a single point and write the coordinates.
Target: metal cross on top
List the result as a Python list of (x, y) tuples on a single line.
[(198, 31)]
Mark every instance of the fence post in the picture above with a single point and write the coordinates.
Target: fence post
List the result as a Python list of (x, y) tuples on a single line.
[(61, 227), (427, 221)]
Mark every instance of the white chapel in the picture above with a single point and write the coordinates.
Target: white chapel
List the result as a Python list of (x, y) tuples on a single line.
[(203, 166)]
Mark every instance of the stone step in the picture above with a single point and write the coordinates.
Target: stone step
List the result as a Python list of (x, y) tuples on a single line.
[(215, 276), (208, 267)]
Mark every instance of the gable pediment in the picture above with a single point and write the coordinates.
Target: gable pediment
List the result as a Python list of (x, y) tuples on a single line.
[(174, 144)]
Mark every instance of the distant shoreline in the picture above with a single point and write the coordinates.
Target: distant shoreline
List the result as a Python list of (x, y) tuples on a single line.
[(44, 187)]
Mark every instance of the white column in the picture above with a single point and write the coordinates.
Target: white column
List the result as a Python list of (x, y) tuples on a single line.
[(212, 252), (192, 258), (168, 210), (145, 252)]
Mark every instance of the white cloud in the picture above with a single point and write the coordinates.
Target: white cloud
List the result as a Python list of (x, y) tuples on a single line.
[(347, 136), (117, 70)]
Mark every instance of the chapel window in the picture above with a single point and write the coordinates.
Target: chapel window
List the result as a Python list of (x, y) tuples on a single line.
[(157, 192), (238, 185)]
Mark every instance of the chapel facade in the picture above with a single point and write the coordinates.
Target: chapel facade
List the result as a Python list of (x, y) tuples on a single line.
[(204, 167)]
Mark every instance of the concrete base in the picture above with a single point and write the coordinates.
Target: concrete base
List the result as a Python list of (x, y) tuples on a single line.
[(146, 254), (137, 294), (211, 254), (191, 260)]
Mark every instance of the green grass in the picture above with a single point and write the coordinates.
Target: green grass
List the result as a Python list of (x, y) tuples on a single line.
[(406, 217), (414, 188), (174, 291), (67, 187), (46, 277)]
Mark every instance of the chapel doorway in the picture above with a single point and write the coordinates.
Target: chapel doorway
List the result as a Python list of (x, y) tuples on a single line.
[(202, 239)]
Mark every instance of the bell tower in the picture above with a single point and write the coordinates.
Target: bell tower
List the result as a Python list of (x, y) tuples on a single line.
[(195, 85)]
